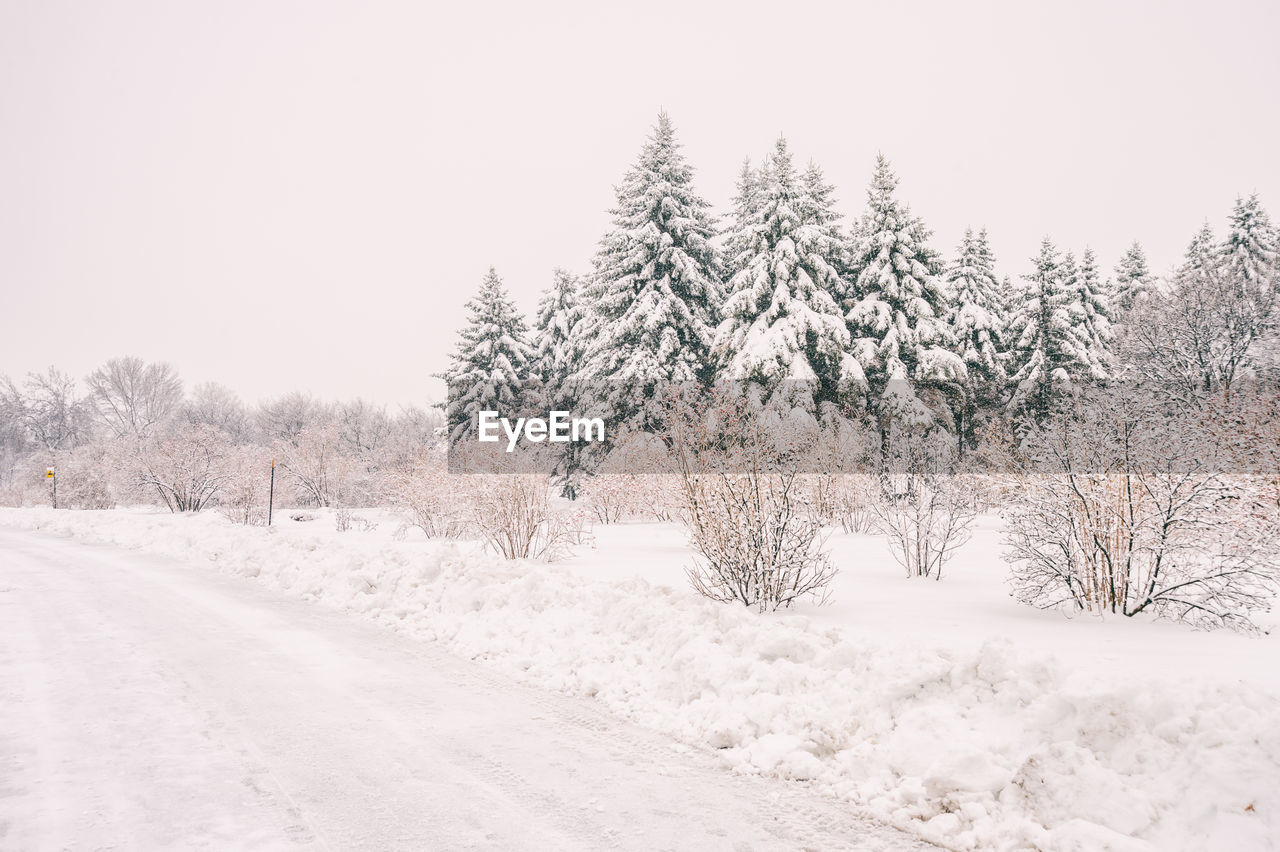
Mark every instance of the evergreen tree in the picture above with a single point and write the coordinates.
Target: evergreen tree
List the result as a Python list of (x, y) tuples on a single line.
[(651, 298), (1202, 255), (897, 307), (557, 357), (489, 370), (1092, 311), (1134, 281), (977, 320), (781, 320), (1250, 252), (557, 347), (1045, 346), (745, 203)]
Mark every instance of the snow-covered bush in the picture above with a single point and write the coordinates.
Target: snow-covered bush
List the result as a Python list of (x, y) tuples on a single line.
[(513, 515), (86, 478), (246, 485), (1134, 511), (920, 503), (840, 498), (426, 493), (319, 466), (185, 469), (926, 516), (756, 540)]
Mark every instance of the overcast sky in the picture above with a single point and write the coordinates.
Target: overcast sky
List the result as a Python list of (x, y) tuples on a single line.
[(302, 195)]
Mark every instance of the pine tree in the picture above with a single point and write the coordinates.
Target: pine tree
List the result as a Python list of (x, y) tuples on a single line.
[(1093, 316), (977, 306), (781, 321), (557, 347), (1134, 281), (745, 204), (1045, 346), (1202, 255), (977, 320), (897, 307), (489, 370), (1250, 251), (557, 357), (651, 299)]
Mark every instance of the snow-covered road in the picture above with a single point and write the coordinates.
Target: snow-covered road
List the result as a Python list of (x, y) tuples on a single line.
[(149, 704)]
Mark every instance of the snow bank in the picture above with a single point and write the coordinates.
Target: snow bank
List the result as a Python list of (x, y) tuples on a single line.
[(972, 749)]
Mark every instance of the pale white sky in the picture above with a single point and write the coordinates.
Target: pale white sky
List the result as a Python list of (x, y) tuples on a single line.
[(302, 195)]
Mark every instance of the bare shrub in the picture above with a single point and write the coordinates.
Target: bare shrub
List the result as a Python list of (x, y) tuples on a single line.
[(843, 499), (631, 482), (318, 466), (430, 497), (512, 514), (342, 518), (246, 485), (1134, 513), (926, 517), (757, 540), (923, 508), (187, 469)]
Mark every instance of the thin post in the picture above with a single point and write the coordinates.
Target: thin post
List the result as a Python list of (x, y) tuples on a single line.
[(271, 495)]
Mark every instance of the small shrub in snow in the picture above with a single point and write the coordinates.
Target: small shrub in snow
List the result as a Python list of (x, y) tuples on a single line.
[(427, 494), (926, 517), (513, 515), (246, 487), (756, 540), (752, 524), (920, 504)]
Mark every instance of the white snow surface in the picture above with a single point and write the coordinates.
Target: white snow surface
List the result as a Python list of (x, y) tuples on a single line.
[(941, 707)]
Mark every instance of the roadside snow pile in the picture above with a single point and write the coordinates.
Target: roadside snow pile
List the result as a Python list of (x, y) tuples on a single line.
[(978, 750)]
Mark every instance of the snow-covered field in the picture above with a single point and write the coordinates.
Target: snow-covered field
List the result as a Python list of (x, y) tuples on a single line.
[(942, 707)]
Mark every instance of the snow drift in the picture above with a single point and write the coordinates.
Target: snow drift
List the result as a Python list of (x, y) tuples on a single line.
[(971, 750)]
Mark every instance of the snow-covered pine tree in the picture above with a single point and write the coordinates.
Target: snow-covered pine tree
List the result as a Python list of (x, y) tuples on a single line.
[(557, 346), (1044, 343), (1134, 281), (977, 320), (1251, 253), (782, 323), (652, 297), (897, 309), (1201, 257), (557, 358), (737, 241), (489, 370), (1093, 315)]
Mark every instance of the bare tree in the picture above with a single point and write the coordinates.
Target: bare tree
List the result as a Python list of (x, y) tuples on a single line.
[(133, 398), (216, 405), (48, 408), (285, 419), (1199, 338)]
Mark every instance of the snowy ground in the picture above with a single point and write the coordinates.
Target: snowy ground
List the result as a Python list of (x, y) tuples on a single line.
[(944, 708), (150, 704)]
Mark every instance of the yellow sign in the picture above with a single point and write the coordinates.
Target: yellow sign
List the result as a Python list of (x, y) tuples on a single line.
[(48, 473)]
